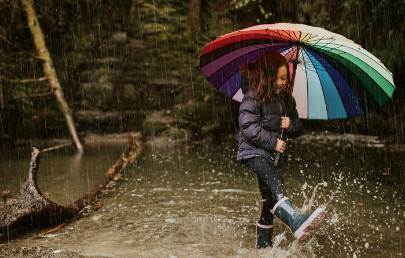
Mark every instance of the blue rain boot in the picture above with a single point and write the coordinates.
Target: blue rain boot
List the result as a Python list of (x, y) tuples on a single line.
[(301, 224), (264, 234)]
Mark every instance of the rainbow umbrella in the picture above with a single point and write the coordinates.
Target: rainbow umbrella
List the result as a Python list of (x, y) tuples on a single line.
[(332, 77)]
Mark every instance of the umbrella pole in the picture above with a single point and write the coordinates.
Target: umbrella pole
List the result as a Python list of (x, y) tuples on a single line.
[(295, 63)]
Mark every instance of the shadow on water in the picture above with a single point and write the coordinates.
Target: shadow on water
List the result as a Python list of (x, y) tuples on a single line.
[(201, 202)]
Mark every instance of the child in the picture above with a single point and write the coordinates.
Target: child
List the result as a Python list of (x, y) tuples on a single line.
[(267, 112)]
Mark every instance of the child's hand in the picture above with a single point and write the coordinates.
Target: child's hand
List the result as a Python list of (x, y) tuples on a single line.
[(285, 122), (280, 146)]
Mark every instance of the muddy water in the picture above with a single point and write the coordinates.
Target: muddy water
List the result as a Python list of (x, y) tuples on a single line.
[(63, 175), (201, 202)]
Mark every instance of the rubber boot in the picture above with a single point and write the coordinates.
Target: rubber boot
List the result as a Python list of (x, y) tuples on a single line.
[(264, 234), (301, 224)]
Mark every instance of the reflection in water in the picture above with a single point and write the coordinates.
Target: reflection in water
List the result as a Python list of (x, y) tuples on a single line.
[(203, 203), (64, 175)]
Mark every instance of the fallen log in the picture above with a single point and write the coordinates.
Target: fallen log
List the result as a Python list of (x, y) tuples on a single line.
[(31, 209)]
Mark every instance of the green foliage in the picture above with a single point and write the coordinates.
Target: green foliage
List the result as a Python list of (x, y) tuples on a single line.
[(263, 14), (377, 25), (260, 11), (79, 38)]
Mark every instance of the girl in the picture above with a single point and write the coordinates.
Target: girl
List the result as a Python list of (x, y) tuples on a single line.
[(267, 112)]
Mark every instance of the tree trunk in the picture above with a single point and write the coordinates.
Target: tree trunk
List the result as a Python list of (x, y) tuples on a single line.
[(134, 18), (31, 209), (194, 15), (49, 70)]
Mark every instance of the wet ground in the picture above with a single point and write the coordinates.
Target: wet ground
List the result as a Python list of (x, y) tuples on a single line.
[(200, 202)]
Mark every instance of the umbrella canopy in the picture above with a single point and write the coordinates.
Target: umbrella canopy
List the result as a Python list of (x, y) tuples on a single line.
[(332, 76)]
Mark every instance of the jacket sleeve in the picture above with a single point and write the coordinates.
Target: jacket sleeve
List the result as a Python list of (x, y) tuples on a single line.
[(250, 127), (295, 130)]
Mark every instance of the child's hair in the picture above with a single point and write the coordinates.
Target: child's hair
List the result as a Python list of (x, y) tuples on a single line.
[(262, 74)]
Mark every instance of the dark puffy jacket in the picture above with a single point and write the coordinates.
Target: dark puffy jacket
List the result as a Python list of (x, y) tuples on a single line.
[(259, 124)]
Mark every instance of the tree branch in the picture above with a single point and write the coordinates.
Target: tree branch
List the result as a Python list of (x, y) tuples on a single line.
[(21, 81), (43, 94)]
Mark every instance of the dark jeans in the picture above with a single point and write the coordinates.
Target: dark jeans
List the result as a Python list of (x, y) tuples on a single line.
[(270, 185)]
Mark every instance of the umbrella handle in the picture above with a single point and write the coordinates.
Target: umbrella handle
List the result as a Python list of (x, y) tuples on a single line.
[(277, 159), (278, 154)]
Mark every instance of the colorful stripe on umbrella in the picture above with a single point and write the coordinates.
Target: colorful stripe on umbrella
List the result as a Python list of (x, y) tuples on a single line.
[(325, 59)]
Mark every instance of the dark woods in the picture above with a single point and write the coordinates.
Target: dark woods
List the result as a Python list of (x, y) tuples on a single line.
[(119, 61)]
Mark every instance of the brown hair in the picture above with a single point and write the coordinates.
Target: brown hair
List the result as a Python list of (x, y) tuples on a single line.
[(262, 74)]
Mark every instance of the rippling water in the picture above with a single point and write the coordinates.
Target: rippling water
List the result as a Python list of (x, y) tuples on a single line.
[(63, 174), (201, 202)]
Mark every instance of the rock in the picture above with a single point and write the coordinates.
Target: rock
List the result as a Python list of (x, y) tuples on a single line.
[(153, 128), (99, 75), (119, 37), (109, 120), (94, 89), (170, 220), (107, 60), (135, 43), (164, 81), (153, 28), (96, 217), (157, 122), (97, 88), (117, 177), (111, 184), (5, 195), (183, 123), (210, 129), (174, 73), (163, 142), (127, 92), (177, 134)]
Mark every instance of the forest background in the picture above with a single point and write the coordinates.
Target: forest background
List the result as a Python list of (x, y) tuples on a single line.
[(133, 65)]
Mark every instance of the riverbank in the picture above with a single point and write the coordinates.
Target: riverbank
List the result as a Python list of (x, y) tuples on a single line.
[(173, 140), (38, 251)]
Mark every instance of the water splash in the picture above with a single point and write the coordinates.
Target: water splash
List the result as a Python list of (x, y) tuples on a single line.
[(309, 202), (282, 248)]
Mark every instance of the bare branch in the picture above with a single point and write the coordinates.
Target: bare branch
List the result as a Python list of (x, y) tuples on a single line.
[(43, 94), (56, 147), (21, 81), (49, 70), (31, 209)]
